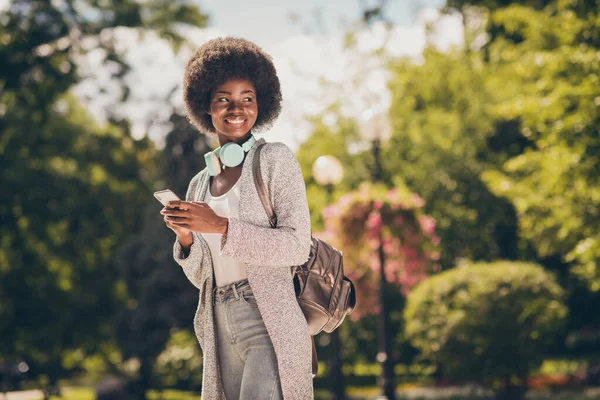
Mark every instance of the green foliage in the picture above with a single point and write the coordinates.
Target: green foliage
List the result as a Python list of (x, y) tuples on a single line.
[(545, 68), (494, 4), (441, 145), (160, 16), (335, 141), (73, 186), (73, 189), (486, 322), (501, 141), (160, 297), (180, 363), (42, 40)]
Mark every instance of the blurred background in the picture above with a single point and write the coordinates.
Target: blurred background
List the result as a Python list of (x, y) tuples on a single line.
[(451, 150)]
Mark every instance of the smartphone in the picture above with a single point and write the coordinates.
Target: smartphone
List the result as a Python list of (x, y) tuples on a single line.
[(165, 196)]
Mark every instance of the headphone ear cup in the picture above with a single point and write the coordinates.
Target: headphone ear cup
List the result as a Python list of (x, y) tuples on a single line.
[(213, 164), (231, 154)]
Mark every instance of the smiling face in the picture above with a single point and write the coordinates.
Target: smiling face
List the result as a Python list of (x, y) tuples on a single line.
[(233, 109)]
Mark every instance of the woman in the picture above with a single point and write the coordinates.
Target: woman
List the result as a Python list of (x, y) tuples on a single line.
[(254, 337)]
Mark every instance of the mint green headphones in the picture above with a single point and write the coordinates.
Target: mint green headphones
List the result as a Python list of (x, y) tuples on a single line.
[(229, 155)]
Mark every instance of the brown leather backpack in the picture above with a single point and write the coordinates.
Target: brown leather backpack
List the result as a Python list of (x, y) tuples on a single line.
[(325, 295)]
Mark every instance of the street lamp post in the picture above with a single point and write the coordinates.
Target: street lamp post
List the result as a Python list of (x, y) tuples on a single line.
[(375, 127), (328, 171)]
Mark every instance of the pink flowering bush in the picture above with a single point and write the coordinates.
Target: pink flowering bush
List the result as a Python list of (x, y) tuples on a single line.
[(359, 221)]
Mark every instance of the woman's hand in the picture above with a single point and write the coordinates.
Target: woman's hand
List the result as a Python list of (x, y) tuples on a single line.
[(179, 231), (193, 216)]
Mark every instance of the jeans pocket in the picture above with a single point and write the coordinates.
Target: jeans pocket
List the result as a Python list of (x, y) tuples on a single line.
[(249, 299)]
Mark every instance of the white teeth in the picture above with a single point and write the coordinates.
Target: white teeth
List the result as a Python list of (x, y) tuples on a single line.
[(237, 121)]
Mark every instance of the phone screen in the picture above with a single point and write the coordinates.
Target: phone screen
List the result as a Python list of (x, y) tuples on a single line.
[(164, 196)]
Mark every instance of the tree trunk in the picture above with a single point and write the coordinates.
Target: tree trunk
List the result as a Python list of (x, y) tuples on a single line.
[(510, 391), (336, 375), (145, 378)]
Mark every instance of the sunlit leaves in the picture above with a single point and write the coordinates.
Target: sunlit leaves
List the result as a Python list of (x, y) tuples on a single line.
[(549, 81), (444, 138)]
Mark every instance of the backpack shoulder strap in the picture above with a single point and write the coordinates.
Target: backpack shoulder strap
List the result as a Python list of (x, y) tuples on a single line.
[(261, 189)]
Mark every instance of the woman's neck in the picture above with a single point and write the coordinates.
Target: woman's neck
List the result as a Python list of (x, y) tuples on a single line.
[(224, 139)]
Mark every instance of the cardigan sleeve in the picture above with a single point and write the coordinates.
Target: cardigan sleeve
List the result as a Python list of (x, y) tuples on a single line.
[(192, 264), (289, 243)]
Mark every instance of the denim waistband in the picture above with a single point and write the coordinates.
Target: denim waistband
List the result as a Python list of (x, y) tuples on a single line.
[(222, 293)]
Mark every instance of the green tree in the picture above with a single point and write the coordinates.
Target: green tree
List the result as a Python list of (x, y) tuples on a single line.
[(539, 57), (74, 189), (550, 56), (67, 208), (444, 137), (160, 297)]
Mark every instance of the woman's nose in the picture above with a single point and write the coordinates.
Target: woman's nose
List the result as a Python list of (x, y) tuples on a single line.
[(234, 105)]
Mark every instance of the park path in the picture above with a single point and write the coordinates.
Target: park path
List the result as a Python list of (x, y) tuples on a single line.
[(23, 395)]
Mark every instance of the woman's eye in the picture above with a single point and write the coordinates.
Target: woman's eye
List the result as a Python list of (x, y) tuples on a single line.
[(222, 98)]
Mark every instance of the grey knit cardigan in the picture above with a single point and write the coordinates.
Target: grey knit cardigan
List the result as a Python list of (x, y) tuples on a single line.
[(267, 254)]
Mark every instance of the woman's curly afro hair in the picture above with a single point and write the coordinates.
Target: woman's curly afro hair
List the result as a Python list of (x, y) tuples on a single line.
[(223, 59)]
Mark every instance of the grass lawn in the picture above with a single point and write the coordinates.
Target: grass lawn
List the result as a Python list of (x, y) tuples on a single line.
[(320, 394), (88, 394)]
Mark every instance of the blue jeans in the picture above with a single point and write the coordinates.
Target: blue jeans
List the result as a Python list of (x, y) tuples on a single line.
[(246, 356)]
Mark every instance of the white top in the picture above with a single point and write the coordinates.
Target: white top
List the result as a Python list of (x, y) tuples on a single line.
[(227, 269)]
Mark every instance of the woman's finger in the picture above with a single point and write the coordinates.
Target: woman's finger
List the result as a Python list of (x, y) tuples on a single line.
[(173, 204), (177, 219), (178, 204), (180, 224), (175, 212), (169, 225), (173, 226)]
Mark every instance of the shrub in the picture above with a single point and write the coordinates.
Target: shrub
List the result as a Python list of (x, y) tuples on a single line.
[(488, 322), (372, 216)]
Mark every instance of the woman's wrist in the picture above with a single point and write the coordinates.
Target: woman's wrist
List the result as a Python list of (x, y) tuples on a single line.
[(186, 240), (224, 223)]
